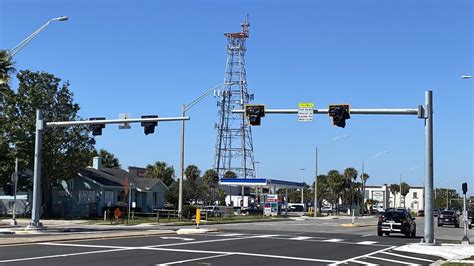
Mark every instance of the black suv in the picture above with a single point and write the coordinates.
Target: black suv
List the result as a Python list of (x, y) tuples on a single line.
[(396, 221), (448, 218)]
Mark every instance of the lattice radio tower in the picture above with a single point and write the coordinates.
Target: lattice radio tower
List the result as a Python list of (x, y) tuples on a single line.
[(234, 147)]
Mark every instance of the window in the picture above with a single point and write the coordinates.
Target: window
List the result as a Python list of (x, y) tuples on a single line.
[(87, 196), (415, 195)]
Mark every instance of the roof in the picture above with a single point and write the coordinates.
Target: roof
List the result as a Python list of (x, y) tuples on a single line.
[(115, 177)]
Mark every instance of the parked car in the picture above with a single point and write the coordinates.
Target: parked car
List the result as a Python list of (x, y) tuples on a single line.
[(448, 218), (435, 212), (470, 219), (396, 221), (420, 213), (326, 209)]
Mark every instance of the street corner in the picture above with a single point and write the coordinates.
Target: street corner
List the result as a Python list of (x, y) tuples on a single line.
[(188, 231), (448, 251)]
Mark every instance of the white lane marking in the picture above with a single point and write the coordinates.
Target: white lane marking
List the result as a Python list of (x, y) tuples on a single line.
[(64, 255), (82, 245), (282, 257), (301, 238), (265, 236), (362, 256), (196, 259), (407, 257), (366, 242), (367, 235), (394, 261), (231, 235), (177, 238), (202, 241), (333, 240), (363, 262)]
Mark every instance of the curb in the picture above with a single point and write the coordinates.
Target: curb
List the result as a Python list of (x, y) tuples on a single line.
[(37, 238), (356, 225), (187, 231)]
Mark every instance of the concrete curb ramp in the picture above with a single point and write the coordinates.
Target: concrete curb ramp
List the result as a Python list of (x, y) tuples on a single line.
[(357, 225), (447, 251), (187, 231)]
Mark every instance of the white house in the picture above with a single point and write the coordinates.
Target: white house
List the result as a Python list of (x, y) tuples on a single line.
[(413, 200)]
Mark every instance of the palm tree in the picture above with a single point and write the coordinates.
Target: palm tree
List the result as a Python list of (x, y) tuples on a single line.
[(394, 189), (351, 175), (210, 177), (404, 189), (336, 182), (6, 67), (161, 171), (192, 173)]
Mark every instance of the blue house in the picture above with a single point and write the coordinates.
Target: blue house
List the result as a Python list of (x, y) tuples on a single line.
[(96, 188)]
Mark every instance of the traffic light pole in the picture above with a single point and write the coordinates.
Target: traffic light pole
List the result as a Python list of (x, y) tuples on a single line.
[(41, 124), (423, 112)]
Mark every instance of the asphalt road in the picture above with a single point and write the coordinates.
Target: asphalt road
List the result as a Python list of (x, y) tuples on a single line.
[(228, 247)]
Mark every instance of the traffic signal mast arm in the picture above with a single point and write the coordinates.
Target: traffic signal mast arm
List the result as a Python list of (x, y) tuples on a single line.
[(113, 121), (352, 111)]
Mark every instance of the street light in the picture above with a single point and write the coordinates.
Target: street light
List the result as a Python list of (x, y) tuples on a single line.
[(316, 172), (363, 179), (185, 108), (256, 187), (12, 52)]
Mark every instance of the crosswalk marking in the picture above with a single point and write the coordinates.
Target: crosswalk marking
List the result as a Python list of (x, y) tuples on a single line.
[(333, 240), (407, 257), (301, 238), (395, 261), (265, 236), (366, 242)]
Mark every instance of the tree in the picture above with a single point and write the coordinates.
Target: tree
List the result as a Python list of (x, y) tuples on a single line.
[(404, 189), (350, 173), (364, 178), (64, 150), (7, 67), (108, 159), (324, 191), (394, 189), (211, 178), (336, 182), (192, 173), (161, 171), (230, 174)]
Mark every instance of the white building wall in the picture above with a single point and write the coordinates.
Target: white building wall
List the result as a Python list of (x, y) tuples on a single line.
[(414, 199)]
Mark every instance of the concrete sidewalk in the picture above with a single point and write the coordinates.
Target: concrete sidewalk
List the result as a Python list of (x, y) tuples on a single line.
[(448, 251)]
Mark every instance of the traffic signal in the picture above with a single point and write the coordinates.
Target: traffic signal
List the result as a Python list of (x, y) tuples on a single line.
[(97, 129), (254, 113), (339, 114), (149, 127), (464, 188)]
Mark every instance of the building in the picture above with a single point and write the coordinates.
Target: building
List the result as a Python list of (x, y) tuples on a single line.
[(96, 188), (414, 200)]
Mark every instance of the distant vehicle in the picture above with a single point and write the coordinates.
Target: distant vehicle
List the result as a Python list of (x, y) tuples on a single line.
[(396, 221), (470, 219), (435, 212), (420, 213), (448, 218), (296, 207), (326, 209)]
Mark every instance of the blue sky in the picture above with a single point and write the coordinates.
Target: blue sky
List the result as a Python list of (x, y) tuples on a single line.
[(150, 57)]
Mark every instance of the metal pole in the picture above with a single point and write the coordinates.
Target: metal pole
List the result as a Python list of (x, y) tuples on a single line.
[(465, 239), (429, 224), (316, 183), (129, 202), (257, 187), (181, 167), (363, 190), (400, 197), (36, 209), (15, 182), (447, 199)]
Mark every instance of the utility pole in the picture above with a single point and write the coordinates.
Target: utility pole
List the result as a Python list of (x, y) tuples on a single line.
[(15, 183), (316, 183), (302, 188)]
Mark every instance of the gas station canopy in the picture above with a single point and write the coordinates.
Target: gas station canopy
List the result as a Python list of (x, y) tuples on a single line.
[(251, 182)]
